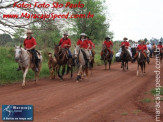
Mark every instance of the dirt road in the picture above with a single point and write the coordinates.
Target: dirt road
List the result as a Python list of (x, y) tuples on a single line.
[(91, 100)]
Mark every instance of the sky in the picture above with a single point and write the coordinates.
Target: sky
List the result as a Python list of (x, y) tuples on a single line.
[(136, 19)]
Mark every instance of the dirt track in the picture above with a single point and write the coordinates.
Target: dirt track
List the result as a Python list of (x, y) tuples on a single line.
[(90, 100)]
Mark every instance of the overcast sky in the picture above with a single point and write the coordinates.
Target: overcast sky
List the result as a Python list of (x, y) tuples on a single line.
[(136, 19)]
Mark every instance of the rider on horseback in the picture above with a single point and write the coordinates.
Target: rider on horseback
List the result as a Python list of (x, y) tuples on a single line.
[(65, 43), (160, 46), (109, 45), (30, 44), (141, 47), (92, 45), (84, 45), (126, 44)]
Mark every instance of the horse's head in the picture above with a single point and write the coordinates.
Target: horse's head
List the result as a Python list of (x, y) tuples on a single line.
[(18, 52), (76, 51), (123, 47), (56, 48), (49, 55)]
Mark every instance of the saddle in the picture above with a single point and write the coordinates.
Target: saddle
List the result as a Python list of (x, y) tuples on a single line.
[(38, 55), (85, 56)]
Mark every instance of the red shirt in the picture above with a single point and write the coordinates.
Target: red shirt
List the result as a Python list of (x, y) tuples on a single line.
[(127, 44), (142, 47), (83, 44), (28, 43), (63, 41), (108, 43), (91, 44), (160, 46)]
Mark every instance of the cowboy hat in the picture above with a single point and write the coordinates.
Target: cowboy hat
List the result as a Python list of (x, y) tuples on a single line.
[(125, 38), (83, 34), (65, 33), (28, 31), (107, 38)]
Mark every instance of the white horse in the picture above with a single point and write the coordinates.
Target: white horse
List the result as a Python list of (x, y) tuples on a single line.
[(83, 68), (23, 58)]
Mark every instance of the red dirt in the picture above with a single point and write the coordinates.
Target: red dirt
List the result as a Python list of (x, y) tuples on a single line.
[(103, 97)]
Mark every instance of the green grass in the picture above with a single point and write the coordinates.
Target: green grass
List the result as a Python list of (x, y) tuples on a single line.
[(154, 92), (146, 100), (124, 114), (136, 112)]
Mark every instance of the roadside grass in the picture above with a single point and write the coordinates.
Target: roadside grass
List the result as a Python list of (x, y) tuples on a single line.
[(146, 100), (124, 113), (154, 91), (136, 112)]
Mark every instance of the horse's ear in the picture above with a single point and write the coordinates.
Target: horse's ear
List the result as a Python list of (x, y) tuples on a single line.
[(21, 46)]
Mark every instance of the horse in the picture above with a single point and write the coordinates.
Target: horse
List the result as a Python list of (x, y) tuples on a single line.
[(24, 59), (106, 57), (141, 60), (124, 58), (92, 59), (53, 65), (82, 64), (63, 60)]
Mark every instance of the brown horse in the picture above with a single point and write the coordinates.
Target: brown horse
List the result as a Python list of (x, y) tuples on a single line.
[(92, 59), (107, 56), (141, 59), (125, 57), (61, 55), (53, 65)]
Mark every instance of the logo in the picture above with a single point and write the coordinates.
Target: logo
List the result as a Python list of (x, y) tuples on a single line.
[(17, 112)]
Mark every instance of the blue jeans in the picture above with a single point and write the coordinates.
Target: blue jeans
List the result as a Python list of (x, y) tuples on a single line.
[(69, 53)]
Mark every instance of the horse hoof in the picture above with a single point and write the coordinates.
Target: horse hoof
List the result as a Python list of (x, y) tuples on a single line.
[(77, 81)]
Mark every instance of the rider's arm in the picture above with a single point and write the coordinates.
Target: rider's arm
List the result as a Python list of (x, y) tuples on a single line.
[(31, 47)]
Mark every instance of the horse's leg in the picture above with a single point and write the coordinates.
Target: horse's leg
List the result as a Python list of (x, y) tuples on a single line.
[(58, 71), (79, 74), (105, 64), (144, 67), (127, 65), (138, 70), (24, 76), (63, 72)]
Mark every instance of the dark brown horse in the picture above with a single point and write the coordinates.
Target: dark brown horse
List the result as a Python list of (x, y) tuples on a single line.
[(141, 59), (92, 59), (107, 56), (61, 55), (125, 57)]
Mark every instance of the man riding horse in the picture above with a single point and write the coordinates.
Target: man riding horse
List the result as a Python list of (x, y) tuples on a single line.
[(92, 45), (84, 45), (109, 45), (160, 46), (126, 44), (65, 43), (30, 44), (141, 47)]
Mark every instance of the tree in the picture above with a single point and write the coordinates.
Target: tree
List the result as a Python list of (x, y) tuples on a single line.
[(4, 38), (18, 36), (96, 27)]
